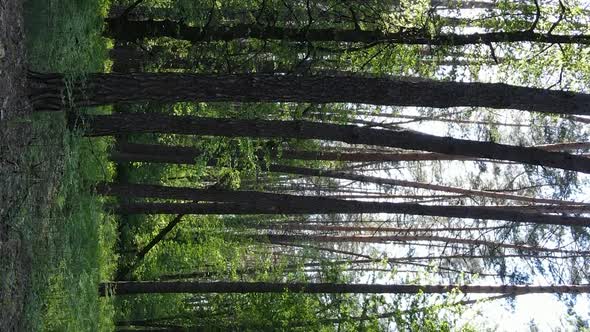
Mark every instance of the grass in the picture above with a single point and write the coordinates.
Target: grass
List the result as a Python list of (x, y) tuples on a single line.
[(80, 241), (68, 240)]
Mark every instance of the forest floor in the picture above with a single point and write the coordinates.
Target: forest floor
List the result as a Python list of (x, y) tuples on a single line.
[(15, 264), (55, 241)]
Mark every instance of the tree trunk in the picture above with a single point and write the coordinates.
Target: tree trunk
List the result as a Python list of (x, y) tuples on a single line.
[(160, 287), (295, 238), (128, 58), (368, 156), (158, 153), (421, 185), (321, 227), (405, 139), (126, 30), (390, 260), (566, 146), (48, 90), (252, 202)]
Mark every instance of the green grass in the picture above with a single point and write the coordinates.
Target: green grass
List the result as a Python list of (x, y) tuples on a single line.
[(81, 238), (69, 240)]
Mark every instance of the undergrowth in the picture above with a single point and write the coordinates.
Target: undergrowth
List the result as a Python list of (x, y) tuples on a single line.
[(70, 241)]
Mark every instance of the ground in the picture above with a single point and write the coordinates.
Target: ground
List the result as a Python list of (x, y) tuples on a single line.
[(14, 266), (12, 58), (55, 241)]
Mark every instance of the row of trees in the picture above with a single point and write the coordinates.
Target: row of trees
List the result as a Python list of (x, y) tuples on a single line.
[(278, 119)]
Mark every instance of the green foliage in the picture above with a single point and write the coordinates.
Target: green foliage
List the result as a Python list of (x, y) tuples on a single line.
[(421, 314), (72, 248), (71, 238), (64, 36), (212, 247)]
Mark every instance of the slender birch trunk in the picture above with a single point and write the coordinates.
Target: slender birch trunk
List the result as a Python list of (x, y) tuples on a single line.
[(162, 287)]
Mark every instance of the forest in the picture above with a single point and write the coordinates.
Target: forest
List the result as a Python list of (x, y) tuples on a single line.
[(303, 165)]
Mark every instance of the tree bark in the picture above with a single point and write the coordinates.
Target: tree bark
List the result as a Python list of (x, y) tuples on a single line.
[(295, 238), (252, 202), (399, 261), (126, 30), (414, 184), (405, 139), (368, 156), (150, 287), (47, 91), (158, 153), (321, 227)]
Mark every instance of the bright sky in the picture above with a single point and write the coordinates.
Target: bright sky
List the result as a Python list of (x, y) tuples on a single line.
[(545, 310)]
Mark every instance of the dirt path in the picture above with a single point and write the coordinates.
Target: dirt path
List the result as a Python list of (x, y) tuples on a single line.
[(14, 269), (12, 59)]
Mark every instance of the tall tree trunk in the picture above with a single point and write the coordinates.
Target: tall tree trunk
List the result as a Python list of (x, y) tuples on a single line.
[(157, 153), (404, 139), (416, 118), (126, 30), (128, 58), (294, 238), (252, 202), (566, 146), (578, 118), (414, 184), (161, 287), (319, 226), (316, 265), (368, 156), (47, 91)]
